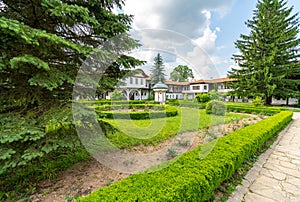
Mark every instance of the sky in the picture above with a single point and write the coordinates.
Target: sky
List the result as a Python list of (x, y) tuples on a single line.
[(196, 33)]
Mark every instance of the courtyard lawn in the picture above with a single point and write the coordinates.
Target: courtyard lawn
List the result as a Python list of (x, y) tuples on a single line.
[(135, 132)]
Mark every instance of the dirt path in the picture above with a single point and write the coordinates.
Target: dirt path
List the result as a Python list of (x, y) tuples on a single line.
[(84, 177)]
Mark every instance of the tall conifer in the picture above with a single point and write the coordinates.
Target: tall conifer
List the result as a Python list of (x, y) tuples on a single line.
[(268, 65)]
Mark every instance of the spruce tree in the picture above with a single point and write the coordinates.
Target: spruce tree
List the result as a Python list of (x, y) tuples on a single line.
[(268, 65), (43, 44), (157, 71)]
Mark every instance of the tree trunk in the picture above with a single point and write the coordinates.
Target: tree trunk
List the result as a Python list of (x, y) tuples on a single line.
[(268, 100), (287, 101)]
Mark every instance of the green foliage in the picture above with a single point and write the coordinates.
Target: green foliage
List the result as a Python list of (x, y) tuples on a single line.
[(156, 107), (247, 108), (157, 71), (268, 63), (203, 98), (171, 153), (173, 102), (186, 97), (193, 177), (216, 107), (191, 104), (214, 95), (117, 95), (43, 48), (181, 73), (257, 102), (154, 131), (169, 112)]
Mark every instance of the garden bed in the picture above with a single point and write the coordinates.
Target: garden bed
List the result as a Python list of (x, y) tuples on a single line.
[(85, 177), (195, 176)]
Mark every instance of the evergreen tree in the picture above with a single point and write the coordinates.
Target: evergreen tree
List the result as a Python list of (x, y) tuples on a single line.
[(181, 73), (157, 71), (43, 44), (268, 59)]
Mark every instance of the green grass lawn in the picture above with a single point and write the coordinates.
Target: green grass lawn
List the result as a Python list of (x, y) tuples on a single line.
[(135, 132)]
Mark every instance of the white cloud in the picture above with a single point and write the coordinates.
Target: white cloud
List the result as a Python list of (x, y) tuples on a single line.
[(171, 25)]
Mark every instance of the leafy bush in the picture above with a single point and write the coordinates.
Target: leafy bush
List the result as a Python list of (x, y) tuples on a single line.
[(33, 148), (173, 102), (257, 102), (194, 177), (186, 97), (214, 95), (117, 95), (202, 98), (216, 107)]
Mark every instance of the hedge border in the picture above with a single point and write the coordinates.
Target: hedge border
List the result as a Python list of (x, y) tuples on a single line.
[(117, 102), (254, 109), (169, 111), (191, 178), (128, 106)]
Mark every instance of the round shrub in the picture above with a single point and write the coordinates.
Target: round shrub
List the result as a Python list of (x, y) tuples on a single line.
[(216, 107), (257, 102)]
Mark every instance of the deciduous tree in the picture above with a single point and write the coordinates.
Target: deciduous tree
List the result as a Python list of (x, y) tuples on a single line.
[(181, 73)]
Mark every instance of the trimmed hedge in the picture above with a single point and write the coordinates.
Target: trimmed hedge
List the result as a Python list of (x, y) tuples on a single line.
[(169, 112), (129, 106), (118, 102), (192, 178), (254, 109)]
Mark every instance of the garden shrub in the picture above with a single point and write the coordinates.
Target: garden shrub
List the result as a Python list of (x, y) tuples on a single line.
[(214, 95), (202, 98), (173, 102), (216, 107), (257, 102), (117, 95), (192, 177)]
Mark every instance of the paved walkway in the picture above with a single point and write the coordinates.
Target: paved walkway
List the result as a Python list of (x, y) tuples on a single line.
[(276, 175)]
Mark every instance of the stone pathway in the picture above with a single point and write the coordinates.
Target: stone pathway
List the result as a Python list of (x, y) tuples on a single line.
[(276, 175)]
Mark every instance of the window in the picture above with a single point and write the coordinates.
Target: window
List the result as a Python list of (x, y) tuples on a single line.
[(131, 80), (196, 87), (142, 82), (205, 87)]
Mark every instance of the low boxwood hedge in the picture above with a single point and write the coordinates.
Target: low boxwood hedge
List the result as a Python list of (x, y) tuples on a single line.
[(128, 106), (117, 102), (192, 178), (168, 112), (254, 109)]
